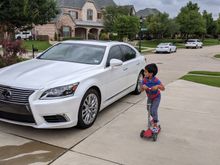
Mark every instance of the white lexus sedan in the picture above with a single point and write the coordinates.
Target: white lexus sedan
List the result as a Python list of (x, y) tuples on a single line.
[(68, 84), (165, 47)]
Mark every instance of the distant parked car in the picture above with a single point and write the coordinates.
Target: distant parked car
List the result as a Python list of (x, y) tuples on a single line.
[(193, 43), (165, 47), (24, 35)]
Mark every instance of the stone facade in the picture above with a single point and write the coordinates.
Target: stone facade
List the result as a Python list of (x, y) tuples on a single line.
[(83, 21)]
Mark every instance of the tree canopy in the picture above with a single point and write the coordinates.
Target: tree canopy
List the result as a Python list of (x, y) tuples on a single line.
[(118, 20), (158, 24), (190, 20), (16, 14)]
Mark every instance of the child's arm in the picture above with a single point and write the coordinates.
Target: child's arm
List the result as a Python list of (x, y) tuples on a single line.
[(160, 87)]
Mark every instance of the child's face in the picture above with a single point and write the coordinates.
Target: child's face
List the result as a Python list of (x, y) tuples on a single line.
[(147, 74)]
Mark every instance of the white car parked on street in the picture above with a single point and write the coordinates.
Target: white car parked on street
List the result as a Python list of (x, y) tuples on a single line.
[(165, 47), (68, 84), (193, 43)]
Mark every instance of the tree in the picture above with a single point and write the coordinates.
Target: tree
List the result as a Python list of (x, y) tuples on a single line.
[(173, 28), (218, 25), (190, 20), (23, 14), (210, 24), (158, 24), (126, 26), (118, 20)]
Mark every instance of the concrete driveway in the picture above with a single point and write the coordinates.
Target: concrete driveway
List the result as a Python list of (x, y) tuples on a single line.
[(189, 115)]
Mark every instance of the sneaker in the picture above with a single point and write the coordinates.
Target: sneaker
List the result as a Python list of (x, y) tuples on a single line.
[(155, 129)]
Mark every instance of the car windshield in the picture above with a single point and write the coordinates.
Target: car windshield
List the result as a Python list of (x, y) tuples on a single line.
[(79, 53)]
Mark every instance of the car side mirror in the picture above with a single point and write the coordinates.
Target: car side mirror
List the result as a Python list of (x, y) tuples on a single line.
[(115, 62)]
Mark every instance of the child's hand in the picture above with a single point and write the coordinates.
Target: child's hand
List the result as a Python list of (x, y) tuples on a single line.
[(155, 87), (145, 87)]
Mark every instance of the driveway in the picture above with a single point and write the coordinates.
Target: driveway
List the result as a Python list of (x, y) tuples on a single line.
[(188, 115)]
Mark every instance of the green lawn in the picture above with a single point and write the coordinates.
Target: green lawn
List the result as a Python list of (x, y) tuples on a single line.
[(205, 73), (217, 56), (210, 42), (40, 45), (204, 77)]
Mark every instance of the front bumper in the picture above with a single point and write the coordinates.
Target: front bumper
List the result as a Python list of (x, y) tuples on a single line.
[(56, 113), (190, 45), (162, 50)]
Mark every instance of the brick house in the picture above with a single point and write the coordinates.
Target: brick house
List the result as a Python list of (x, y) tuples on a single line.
[(77, 18)]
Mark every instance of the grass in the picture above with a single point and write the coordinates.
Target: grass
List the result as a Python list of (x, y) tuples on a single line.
[(204, 77), (217, 56), (210, 42), (40, 45), (205, 73)]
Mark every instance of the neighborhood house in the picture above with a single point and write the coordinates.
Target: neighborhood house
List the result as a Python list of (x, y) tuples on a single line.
[(77, 18)]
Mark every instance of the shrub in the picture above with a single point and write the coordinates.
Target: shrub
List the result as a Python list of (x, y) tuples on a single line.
[(43, 37), (55, 36), (104, 36), (92, 36), (11, 50)]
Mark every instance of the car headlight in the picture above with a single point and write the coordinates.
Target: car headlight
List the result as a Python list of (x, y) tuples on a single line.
[(59, 92)]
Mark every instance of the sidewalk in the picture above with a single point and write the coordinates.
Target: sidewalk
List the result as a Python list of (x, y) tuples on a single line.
[(190, 132)]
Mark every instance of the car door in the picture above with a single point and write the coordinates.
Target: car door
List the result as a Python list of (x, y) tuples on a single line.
[(131, 64), (115, 77)]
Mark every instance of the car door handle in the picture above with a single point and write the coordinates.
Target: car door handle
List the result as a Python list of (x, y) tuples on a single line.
[(138, 63), (124, 69)]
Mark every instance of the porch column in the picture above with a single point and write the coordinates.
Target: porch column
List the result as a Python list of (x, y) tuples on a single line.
[(99, 32), (87, 33)]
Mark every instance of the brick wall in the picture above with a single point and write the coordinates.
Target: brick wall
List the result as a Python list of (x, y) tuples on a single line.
[(47, 29)]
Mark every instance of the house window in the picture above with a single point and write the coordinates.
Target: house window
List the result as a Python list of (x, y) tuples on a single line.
[(66, 31), (89, 14), (99, 15), (74, 14)]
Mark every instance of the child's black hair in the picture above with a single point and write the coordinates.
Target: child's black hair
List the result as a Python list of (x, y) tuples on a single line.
[(152, 68)]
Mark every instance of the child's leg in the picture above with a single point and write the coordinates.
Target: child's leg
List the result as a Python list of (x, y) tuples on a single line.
[(154, 109)]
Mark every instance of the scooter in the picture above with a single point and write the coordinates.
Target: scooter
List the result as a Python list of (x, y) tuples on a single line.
[(150, 132)]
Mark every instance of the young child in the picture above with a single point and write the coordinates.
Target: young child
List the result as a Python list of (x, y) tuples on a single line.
[(152, 85)]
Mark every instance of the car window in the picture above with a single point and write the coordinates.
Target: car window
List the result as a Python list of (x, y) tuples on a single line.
[(79, 53), (128, 53), (190, 40), (114, 53)]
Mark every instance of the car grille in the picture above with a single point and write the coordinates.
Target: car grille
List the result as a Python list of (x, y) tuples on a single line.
[(14, 104), (16, 112), (14, 95)]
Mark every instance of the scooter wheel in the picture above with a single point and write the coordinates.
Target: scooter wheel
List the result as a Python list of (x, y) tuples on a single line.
[(154, 136), (142, 134)]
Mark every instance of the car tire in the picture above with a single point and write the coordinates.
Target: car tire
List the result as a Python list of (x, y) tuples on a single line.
[(137, 90), (89, 109), (18, 38)]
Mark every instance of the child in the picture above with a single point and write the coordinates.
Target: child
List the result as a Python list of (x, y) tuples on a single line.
[(152, 86)]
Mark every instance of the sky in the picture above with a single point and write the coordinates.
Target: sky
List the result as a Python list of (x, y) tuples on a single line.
[(172, 7)]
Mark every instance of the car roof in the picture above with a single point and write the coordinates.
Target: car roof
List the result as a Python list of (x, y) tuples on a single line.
[(95, 42)]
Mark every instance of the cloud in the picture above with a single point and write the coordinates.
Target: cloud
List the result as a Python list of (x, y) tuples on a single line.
[(172, 7)]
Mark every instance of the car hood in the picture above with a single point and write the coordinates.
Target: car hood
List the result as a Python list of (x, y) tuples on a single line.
[(37, 74)]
